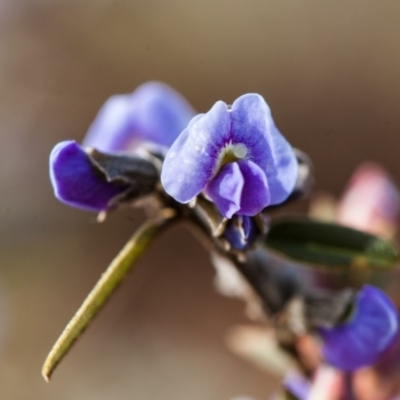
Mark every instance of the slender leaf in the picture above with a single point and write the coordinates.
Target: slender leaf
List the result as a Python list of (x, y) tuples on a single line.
[(328, 244)]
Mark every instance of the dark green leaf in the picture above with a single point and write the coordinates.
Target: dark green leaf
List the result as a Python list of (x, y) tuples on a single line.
[(327, 244)]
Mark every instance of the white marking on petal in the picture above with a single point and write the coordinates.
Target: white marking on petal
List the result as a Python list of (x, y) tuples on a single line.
[(231, 153), (239, 150)]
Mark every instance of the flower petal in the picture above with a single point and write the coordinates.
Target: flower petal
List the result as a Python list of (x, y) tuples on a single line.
[(113, 128), (154, 112), (370, 331), (297, 385), (252, 125), (225, 190), (161, 113), (371, 201), (191, 161), (239, 187), (76, 181), (255, 193)]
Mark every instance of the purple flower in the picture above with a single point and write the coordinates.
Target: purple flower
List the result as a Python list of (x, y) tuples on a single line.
[(236, 155), (154, 114), (366, 335)]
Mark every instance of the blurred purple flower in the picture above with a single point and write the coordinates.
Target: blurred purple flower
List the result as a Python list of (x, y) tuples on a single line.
[(294, 384), (298, 385), (236, 155), (154, 114), (371, 201), (366, 335)]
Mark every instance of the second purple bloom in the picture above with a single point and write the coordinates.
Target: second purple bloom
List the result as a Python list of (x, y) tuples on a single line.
[(235, 155)]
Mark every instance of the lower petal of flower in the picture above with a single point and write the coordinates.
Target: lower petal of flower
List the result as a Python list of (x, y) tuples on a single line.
[(363, 339), (226, 189), (76, 181), (239, 187), (255, 193)]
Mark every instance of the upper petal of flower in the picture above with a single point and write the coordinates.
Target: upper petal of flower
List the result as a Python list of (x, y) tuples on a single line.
[(75, 180), (191, 161), (154, 113), (252, 125), (369, 332), (113, 128)]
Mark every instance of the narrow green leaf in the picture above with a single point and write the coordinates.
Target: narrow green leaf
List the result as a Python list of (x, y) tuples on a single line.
[(105, 287), (328, 244)]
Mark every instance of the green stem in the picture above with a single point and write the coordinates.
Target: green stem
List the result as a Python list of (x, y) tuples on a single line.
[(122, 264)]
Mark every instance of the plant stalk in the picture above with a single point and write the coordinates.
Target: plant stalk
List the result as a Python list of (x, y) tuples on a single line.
[(117, 271)]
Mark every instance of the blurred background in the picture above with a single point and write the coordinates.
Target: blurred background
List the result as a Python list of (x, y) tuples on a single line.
[(331, 74)]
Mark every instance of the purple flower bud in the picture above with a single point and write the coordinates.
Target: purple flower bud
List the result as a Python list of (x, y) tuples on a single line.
[(366, 335), (153, 113), (236, 155), (240, 232)]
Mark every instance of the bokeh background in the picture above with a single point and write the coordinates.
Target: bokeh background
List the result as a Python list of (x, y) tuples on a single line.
[(330, 71)]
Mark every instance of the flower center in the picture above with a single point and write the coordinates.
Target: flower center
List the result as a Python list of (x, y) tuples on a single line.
[(232, 153)]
